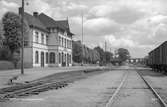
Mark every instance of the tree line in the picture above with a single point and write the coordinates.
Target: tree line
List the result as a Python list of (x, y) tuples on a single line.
[(82, 53), (10, 44), (11, 37)]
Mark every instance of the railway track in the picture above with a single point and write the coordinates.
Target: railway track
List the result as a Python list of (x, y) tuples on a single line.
[(48, 83), (33, 90), (153, 90), (118, 89), (111, 100)]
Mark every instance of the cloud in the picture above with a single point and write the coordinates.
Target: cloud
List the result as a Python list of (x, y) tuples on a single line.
[(41, 7), (101, 10), (126, 15), (73, 6), (119, 42), (100, 26), (138, 25), (156, 19), (7, 6)]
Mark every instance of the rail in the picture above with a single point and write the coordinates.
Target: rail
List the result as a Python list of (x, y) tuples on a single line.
[(153, 90), (108, 104)]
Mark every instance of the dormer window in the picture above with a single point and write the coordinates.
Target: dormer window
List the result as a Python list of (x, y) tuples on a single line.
[(51, 30), (55, 30), (65, 33)]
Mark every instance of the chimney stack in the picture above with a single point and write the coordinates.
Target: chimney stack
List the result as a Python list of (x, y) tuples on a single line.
[(35, 14)]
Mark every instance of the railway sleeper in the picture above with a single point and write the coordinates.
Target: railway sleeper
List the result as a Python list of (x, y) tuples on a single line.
[(31, 92)]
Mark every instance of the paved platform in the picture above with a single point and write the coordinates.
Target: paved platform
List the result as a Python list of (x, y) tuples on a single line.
[(36, 73)]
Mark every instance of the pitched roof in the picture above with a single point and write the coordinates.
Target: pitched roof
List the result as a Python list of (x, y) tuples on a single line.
[(34, 22), (43, 22), (49, 22)]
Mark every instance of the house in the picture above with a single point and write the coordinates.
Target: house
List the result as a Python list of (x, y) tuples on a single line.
[(48, 43)]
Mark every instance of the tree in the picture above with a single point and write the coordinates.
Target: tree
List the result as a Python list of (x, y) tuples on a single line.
[(123, 54), (4, 51), (85, 53), (108, 56), (96, 56), (1, 31), (77, 51), (12, 33), (101, 52)]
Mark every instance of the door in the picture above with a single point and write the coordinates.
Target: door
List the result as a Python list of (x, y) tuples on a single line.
[(42, 59)]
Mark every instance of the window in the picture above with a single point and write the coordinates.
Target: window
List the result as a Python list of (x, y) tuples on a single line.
[(26, 43), (47, 39), (52, 57), (70, 59), (36, 37), (62, 42), (42, 38), (59, 40), (36, 57), (65, 42), (70, 44), (59, 58), (65, 57), (62, 57), (47, 57)]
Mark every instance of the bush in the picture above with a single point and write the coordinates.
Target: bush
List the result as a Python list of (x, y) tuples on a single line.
[(5, 54), (5, 65)]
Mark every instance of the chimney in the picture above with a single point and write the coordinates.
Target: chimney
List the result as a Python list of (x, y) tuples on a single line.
[(35, 14), (20, 10)]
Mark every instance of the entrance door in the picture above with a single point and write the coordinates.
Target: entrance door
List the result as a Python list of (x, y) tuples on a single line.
[(42, 59)]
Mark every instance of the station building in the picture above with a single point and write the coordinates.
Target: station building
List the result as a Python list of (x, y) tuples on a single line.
[(48, 42)]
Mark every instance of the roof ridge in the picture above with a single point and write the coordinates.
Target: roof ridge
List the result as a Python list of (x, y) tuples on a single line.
[(50, 22), (33, 21)]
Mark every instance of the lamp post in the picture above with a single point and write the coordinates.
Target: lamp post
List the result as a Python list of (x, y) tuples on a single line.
[(22, 42)]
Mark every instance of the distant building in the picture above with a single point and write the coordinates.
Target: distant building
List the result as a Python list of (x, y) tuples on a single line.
[(49, 42)]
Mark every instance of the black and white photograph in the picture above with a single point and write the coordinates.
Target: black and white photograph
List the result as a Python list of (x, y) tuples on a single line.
[(83, 53)]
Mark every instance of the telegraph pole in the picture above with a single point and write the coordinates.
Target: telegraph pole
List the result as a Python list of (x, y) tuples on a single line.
[(82, 40), (105, 51), (22, 42)]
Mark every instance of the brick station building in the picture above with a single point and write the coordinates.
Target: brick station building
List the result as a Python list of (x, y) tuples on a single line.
[(48, 43)]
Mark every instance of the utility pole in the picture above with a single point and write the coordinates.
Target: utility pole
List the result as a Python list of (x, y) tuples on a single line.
[(105, 51), (105, 46), (82, 40), (22, 42)]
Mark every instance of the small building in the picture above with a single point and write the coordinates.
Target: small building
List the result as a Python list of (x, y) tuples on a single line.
[(48, 43)]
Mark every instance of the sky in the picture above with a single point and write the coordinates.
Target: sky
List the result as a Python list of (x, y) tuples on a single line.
[(137, 25)]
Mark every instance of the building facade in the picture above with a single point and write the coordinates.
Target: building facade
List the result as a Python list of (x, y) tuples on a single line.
[(48, 42)]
